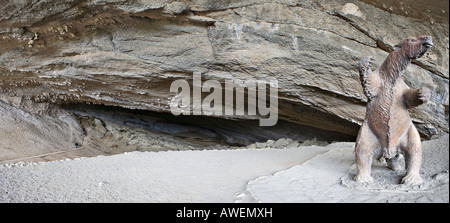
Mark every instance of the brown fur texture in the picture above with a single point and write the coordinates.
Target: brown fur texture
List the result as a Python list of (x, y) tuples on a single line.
[(387, 130)]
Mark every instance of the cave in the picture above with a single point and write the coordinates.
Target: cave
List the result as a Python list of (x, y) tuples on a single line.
[(203, 131)]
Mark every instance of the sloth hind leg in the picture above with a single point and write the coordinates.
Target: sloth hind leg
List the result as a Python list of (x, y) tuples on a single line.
[(412, 149), (366, 144)]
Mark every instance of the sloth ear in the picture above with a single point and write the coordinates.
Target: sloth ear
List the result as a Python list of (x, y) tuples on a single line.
[(397, 47)]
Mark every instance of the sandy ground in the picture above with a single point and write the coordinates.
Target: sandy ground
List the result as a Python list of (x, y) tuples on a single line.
[(301, 174), (181, 176)]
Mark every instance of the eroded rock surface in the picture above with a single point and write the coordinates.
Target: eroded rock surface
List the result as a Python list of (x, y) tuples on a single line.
[(127, 53)]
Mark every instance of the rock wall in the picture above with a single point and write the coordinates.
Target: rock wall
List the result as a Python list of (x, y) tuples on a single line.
[(127, 53)]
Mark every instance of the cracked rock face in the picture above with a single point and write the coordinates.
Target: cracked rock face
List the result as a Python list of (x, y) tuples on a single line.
[(127, 53)]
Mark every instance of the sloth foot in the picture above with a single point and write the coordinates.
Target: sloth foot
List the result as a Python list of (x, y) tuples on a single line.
[(363, 178), (412, 179)]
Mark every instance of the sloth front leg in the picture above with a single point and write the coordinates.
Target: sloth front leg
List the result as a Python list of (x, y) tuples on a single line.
[(369, 80), (416, 97)]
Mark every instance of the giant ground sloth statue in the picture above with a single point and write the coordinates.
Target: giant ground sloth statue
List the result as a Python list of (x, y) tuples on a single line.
[(387, 130)]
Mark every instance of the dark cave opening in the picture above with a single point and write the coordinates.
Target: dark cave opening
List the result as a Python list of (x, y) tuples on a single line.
[(205, 130)]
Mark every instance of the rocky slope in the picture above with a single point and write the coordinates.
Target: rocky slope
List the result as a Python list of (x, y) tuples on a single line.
[(127, 53)]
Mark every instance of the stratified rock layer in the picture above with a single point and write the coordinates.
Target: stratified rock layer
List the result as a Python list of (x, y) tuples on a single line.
[(127, 53)]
